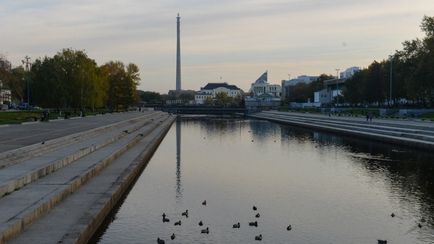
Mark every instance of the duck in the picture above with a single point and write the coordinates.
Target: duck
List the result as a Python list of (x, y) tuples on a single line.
[(204, 203), (172, 236), (200, 223), (205, 231), (255, 208), (382, 242), (159, 241), (125, 131), (257, 215), (419, 225), (166, 220), (258, 238), (43, 142), (185, 213), (253, 223), (392, 215), (178, 223), (289, 228), (236, 226)]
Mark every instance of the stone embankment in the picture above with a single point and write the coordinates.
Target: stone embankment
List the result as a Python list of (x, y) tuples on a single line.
[(401, 132), (62, 189)]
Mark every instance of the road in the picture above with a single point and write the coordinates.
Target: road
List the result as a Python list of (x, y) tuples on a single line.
[(16, 136)]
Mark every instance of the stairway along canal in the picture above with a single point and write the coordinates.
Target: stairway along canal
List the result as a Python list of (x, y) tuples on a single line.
[(328, 188)]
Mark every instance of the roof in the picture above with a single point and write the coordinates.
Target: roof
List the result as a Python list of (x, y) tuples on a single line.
[(263, 78), (212, 86)]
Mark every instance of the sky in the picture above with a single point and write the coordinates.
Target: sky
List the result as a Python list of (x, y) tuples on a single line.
[(232, 41)]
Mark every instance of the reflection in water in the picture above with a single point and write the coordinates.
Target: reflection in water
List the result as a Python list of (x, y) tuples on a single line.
[(178, 158), (330, 188)]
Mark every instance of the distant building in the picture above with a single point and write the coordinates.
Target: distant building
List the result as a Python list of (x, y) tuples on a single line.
[(211, 89), (333, 87), (349, 72), (286, 84), (261, 87), (5, 94), (263, 94)]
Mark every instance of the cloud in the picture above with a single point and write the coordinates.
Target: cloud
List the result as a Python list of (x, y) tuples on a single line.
[(234, 39)]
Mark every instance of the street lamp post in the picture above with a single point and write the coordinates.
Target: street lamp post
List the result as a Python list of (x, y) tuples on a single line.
[(391, 80), (337, 86), (26, 61)]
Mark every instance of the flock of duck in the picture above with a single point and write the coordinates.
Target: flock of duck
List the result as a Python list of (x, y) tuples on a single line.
[(206, 230), (238, 225)]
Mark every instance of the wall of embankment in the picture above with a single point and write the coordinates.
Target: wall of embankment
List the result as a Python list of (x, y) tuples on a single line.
[(96, 216), (390, 139)]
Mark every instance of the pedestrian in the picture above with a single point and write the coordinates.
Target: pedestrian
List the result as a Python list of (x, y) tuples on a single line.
[(367, 117)]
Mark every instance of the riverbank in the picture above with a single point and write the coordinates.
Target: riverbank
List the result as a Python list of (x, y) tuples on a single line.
[(62, 189), (415, 134)]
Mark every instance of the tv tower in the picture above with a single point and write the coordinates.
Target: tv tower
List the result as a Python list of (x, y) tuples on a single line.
[(178, 54)]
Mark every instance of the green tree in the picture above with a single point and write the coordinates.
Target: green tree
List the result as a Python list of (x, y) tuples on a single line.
[(122, 84), (222, 99), (149, 97)]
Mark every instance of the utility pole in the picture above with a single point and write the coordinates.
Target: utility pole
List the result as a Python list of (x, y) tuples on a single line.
[(337, 86), (391, 80), (26, 62)]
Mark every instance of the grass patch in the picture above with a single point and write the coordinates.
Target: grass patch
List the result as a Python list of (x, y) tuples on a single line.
[(428, 116), (17, 117)]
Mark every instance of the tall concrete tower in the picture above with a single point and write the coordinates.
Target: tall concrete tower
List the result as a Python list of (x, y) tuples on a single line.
[(178, 54)]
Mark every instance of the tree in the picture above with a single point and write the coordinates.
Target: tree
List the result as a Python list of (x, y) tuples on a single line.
[(149, 97), (122, 84), (222, 99)]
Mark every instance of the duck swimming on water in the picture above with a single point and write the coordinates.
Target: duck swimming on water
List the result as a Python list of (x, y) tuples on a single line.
[(258, 238), (205, 231)]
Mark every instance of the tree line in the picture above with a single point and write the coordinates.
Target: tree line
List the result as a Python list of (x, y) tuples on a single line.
[(406, 78), (72, 80)]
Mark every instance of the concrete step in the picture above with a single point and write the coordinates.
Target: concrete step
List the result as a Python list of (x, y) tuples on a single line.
[(16, 176), (76, 219), (15, 156), (23, 207), (372, 129), (410, 125), (415, 143)]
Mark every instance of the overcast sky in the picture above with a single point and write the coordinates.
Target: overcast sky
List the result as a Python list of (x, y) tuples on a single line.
[(234, 39)]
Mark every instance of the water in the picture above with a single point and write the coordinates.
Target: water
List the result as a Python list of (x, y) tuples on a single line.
[(331, 189)]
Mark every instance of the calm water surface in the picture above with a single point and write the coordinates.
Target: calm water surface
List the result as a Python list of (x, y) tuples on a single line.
[(331, 189)]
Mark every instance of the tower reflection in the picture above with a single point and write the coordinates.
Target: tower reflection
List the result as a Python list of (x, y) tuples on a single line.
[(178, 158)]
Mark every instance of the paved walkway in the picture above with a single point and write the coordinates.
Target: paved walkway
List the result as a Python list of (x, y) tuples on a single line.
[(16, 136), (61, 191), (398, 122)]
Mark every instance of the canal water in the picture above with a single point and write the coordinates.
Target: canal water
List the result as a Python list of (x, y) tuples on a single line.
[(329, 188)]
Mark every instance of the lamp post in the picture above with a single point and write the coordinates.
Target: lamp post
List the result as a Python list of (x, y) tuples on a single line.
[(391, 79), (26, 62), (337, 86)]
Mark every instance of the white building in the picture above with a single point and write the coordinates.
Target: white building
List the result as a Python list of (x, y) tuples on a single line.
[(261, 87), (349, 72), (211, 89), (263, 94), (5, 94)]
